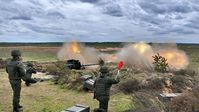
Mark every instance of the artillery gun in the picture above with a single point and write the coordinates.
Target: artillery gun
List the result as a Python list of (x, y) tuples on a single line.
[(76, 64)]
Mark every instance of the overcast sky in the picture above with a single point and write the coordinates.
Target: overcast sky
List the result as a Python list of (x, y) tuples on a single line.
[(99, 20)]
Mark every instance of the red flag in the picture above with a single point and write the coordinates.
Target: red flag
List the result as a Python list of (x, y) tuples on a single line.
[(120, 65)]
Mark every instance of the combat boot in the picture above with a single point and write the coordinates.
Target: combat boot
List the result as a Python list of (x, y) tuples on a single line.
[(20, 107), (99, 110), (15, 109)]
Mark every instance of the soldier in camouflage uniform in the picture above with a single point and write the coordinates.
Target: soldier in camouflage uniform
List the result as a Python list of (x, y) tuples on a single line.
[(102, 86), (16, 72), (29, 71)]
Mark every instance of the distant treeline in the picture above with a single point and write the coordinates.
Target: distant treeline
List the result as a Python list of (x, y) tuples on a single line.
[(91, 44), (30, 44), (58, 44)]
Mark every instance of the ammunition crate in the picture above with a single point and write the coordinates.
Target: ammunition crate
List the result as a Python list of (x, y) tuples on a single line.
[(78, 108)]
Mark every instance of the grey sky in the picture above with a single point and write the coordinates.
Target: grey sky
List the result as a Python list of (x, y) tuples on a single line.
[(99, 20)]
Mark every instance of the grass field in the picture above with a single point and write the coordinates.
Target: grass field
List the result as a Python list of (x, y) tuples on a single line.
[(32, 53), (46, 97)]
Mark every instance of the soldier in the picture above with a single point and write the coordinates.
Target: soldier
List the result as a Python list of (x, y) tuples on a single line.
[(102, 86), (29, 71), (16, 72)]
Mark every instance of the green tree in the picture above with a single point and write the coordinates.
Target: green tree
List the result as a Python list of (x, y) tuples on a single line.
[(160, 63)]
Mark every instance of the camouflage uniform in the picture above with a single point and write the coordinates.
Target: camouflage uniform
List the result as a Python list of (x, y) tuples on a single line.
[(16, 72), (29, 71), (102, 86)]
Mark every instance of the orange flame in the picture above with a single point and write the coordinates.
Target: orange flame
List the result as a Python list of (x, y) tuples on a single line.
[(175, 58), (141, 47), (75, 47), (113, 57)]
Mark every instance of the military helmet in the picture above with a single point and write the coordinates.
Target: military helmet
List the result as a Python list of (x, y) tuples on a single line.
[(15, 53), (104, 69)]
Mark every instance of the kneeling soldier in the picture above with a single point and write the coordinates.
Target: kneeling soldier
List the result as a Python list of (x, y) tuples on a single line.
[(29, 71)]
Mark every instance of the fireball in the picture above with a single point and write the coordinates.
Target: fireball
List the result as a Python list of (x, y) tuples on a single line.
[(176, 59), (75, 47), (142, 47), (169, 55)]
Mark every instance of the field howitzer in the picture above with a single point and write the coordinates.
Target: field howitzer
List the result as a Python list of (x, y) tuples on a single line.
[(76, 64)]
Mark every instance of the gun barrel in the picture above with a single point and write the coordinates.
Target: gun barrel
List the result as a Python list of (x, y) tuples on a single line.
[(90, 64)]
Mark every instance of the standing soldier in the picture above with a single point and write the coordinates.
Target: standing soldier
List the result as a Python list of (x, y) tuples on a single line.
[(16, 72), (29, 71), (102, 86)]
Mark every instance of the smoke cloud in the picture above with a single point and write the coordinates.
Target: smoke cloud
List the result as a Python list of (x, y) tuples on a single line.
[(78, 51), (138, 55)]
